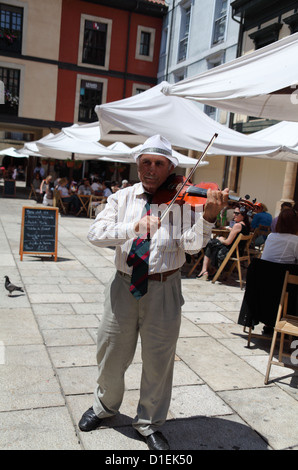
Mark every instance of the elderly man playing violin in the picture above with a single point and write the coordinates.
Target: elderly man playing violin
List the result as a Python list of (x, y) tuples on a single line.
[(144, 296)]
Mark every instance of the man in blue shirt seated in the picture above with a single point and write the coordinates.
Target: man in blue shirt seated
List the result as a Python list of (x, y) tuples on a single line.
[(262, 217)]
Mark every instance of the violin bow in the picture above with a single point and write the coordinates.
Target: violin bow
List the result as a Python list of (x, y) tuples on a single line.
[(188, 178)]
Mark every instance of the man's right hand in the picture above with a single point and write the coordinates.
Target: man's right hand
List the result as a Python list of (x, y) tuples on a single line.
[(148, 224)]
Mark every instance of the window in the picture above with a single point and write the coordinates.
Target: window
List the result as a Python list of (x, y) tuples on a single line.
[(90, 96), (95, 41), (139, 88), (263, 37), (213, 61), (11, 24), (95, 38), (184, 33), (180, 75), (210, 111), (145, 43), (11, 79), (220, 20)]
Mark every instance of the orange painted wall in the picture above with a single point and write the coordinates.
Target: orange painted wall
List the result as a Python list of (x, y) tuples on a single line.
[(68, 53)]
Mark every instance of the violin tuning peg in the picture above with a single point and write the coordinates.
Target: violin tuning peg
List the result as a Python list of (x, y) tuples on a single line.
[(254, 200), (247, 196)]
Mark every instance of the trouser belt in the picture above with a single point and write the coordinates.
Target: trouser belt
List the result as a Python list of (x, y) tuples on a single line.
[(160, 277)]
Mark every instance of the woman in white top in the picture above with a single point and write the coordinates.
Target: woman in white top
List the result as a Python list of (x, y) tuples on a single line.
[(281, 246)]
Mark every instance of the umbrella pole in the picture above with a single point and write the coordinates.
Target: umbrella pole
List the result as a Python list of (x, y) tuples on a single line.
[(71, 168)]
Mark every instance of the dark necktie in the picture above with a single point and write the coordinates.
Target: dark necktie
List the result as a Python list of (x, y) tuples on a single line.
[(138, 258)]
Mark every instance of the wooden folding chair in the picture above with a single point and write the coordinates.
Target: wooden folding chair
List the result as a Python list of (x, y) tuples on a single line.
[(197, 262), (93, 203), (34, 194), (257, 250), (234, 256), (58, 202), (286, 324)]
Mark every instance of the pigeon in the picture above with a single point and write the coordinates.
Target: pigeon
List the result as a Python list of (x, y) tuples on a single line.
[(11, 287)]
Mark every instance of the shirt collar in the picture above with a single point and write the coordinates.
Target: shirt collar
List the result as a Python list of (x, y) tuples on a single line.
[(140, 190)]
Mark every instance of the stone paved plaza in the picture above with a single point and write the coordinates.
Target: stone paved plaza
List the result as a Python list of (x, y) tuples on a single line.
[(48, 366)]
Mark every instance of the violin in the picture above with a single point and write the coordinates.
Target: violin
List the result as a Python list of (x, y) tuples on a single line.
[(192, 194)]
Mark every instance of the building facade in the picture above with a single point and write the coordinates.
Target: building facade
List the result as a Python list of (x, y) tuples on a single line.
[(60, 58), (200, 34), (263, 22), (197, 35)]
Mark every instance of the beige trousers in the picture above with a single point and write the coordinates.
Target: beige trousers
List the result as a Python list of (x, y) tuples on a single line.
[(156, 317)]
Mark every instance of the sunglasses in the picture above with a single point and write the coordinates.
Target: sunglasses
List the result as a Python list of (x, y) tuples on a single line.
[(237, 213)]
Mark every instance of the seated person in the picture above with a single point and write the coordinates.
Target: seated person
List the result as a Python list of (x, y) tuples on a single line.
[(85, 188), (107, 189), (281, 246), (115, 186), (96, 187), (217, 248), (285, 205), (39, 169), (73, 187), (36, 182), (125, 184), (72, 199), (262, 217)]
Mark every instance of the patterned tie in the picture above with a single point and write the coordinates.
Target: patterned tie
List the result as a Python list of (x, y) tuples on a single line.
[(138, 258)]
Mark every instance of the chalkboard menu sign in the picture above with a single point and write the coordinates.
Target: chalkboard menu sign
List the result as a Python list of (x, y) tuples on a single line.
[(9, 188), (39, 231)]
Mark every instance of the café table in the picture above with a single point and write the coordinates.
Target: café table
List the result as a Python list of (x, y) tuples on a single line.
[(85, 200), (220, 232)]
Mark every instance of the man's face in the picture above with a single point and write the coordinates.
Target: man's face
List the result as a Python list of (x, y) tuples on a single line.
[(153, 170)]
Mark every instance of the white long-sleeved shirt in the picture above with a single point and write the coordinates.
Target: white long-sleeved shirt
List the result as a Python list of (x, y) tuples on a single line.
[(281, 248), (179, 232)]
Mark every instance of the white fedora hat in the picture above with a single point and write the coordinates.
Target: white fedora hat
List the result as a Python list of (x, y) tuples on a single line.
[(157, 145)]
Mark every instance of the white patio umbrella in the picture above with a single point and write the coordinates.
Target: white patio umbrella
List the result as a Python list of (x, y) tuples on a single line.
[(262, 83), (30, 148), (12, 152), (181, 122), (63, 147)]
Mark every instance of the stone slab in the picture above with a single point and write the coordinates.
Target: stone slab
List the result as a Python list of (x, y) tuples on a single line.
[(217, 366), (38, 429), (270, 411), (27, 379)]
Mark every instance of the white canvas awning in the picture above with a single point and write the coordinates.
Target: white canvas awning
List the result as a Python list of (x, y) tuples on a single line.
[(63, 147), (30, 148), (12, 152), (285, 133), (89, 132), (181, 122), (261, 84)]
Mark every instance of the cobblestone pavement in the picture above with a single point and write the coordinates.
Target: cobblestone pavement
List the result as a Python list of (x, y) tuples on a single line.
[(48, 366)]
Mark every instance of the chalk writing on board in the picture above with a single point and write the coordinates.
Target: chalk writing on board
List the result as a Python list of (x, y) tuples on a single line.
[(39, 234)]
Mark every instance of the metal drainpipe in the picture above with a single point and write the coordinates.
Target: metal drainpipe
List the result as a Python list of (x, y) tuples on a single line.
[(127, 54)]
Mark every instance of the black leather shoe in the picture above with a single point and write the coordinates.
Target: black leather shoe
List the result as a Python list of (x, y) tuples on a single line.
[(156, 441), (89, 421)]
